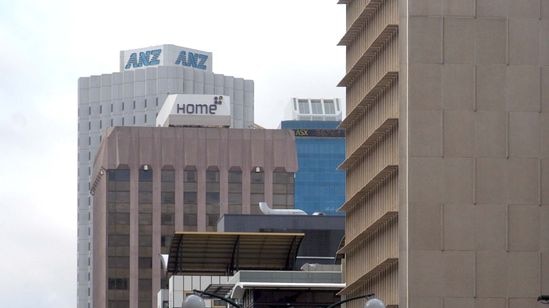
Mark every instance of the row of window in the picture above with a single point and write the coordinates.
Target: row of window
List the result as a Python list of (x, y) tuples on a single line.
[(123, 106), (122, 123), (314, 106), (190, 175)]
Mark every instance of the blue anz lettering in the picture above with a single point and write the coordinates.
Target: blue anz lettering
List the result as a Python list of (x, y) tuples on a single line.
[(146, 58), (192, 59), (202, 63), (181, 59), (155, 55), (132, 61)]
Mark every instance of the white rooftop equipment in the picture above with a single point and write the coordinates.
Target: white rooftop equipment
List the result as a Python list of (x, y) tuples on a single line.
[(311, 109)]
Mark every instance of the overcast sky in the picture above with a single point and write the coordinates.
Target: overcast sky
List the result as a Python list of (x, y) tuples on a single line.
[(288, 47)]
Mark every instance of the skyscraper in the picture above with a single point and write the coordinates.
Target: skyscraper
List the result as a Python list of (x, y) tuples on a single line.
[(447, 152), (320, 145), (133, 97)]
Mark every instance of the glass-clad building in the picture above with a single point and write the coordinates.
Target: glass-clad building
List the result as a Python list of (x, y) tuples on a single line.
[(320, 146)]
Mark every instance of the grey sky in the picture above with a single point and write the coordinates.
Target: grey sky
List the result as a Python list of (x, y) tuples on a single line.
[(287, 46)]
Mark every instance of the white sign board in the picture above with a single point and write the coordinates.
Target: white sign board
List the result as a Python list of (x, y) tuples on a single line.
[(195, 110), (165, 55)]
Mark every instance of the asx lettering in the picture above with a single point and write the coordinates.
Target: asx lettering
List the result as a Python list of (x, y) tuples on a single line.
[(192, 59), (146, 58)]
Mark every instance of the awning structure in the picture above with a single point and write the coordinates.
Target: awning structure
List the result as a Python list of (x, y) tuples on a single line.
[(223, 253), (222, 290)]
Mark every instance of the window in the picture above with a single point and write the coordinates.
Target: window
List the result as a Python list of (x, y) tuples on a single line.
[(119, 304), (156, 101), (145, 103), (112, 122), (257, 177), (89, 110), (167, 207), (212, 197), (316, 106), (145, 118), (167, 197), (189, 199), (100, 109), (118, 240), (133, 104), (144, 205), (165, 240), (303, 106), (189, 220), (329, 107), (134, 120), (167, 219), (145, 262), (112, 107), (283, 189), (118, 226), (123, 121), (100, 124), (235, 191), (118, 284), (118, 262), (122, 106)]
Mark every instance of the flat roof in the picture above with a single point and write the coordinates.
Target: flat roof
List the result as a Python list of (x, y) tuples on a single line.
[(223, 253)]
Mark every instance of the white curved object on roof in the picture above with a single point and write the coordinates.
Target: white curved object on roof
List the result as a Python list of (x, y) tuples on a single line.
[(265, 209)]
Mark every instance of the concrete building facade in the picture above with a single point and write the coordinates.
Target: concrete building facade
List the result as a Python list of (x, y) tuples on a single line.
[(447, 152), (133, 97), (150, 182)]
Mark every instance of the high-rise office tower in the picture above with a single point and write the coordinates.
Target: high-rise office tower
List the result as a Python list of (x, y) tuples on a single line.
[(320, 144), (447, 152), (133, 97)]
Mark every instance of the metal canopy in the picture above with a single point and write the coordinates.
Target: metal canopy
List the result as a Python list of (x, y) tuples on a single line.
[(223, 253), (222, 290)]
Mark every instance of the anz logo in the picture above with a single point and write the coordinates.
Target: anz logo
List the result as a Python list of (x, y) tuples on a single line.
[(191, 59), (145, 58)]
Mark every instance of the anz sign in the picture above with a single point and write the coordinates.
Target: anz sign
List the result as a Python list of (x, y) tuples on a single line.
[(145, 58), (192, 59), (166, 55)]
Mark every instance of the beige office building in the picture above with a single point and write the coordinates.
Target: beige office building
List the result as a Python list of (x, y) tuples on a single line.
[(447, 153), (151, 182)]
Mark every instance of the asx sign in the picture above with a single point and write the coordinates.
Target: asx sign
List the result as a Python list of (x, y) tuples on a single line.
[(165, 55)]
